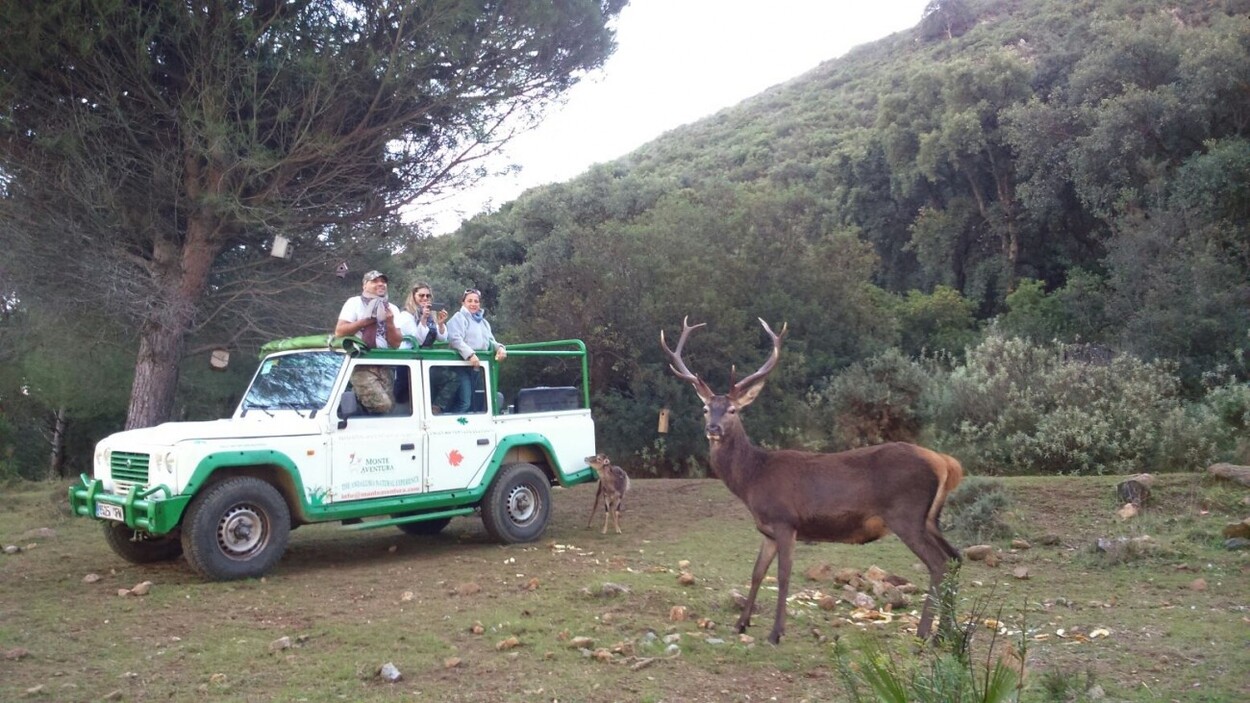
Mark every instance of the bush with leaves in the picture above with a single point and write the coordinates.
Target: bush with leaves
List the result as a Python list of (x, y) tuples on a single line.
[(874, 401), (1017, 407), (974, 512)]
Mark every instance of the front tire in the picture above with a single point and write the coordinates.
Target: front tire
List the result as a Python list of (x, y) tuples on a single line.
[(517, 505), (236, 529), (139, 547)]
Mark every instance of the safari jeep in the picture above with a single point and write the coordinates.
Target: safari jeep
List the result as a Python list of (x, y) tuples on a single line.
[(301, 448)]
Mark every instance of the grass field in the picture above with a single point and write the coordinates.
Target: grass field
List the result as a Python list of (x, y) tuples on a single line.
[(463, 619)]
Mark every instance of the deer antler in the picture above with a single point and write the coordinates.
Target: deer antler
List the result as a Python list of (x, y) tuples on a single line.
[(678, 366), (764, 370)]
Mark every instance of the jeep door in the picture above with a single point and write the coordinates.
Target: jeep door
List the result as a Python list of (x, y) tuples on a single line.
[(377, 451), (459, 443)]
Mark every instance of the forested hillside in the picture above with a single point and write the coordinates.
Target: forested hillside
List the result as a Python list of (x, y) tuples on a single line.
[(1007, 173)]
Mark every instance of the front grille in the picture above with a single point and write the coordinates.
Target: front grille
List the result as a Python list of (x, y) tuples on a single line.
[(129, 469)]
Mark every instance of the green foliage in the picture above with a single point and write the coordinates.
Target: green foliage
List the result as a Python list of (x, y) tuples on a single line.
[(975, 512), (1033, 314), (942, 321), (874, 401), (1016, 407)]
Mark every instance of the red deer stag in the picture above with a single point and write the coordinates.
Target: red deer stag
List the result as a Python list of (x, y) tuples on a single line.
[(854, 497)]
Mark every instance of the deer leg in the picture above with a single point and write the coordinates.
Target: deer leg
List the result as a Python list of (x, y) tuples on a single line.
[(933, 550), (784, 539), (594, 506), (616, 516), (768, 550), (607, 513)]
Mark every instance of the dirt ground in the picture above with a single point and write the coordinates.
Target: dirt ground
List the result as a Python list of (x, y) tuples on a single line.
[(463, 619)]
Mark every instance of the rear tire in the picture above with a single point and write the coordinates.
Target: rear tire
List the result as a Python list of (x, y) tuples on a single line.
[(139, 547), (517, 505), (236, 529), (425, 528)]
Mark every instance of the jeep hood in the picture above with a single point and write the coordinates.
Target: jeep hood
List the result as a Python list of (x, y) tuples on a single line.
[(257, 424)]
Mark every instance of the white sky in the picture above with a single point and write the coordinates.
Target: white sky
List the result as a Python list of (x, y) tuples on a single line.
[(677, 61)]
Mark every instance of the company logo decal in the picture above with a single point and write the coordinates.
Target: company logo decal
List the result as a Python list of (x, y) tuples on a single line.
[(454, 457)]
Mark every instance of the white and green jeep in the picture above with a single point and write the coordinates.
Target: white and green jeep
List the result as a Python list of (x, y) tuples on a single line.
[(301, 449)]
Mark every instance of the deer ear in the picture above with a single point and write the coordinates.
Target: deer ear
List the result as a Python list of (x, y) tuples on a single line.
[(747, 395)]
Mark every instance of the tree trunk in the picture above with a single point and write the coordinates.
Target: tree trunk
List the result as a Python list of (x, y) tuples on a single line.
[(182, 277), (57, 459)]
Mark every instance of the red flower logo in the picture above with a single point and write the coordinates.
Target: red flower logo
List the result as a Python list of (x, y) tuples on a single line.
[(454, 457)]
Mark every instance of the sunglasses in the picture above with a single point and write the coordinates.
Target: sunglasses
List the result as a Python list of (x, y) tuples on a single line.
[(421, 295), (474, 291)]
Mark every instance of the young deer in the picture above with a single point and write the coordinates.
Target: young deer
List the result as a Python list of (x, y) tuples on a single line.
[(613, 484), (854, 497)]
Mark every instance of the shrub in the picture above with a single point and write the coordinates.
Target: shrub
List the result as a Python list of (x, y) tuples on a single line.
[(974, 512), (875, 401), (1018, 407)]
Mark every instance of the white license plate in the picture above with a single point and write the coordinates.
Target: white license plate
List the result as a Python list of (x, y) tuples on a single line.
[(110, 512)]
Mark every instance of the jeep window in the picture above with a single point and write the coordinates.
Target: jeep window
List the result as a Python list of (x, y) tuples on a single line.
[(294, 382), (385, 390), (447, 394)]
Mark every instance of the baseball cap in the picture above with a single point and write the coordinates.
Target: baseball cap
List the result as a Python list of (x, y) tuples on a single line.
[(374, 275)]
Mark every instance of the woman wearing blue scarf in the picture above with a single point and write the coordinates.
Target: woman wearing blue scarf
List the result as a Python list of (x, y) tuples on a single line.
[(468, 332)]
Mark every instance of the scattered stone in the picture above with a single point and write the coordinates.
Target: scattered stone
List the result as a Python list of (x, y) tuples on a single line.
[(451, 662), (35, 690), (685, 578), (624, 648), (991, 560), (1238, 529), (671, 638), (1198, 584), (1135, 490), (392, 549), (11, 549), (609, 590), (1237, 544), (746, 639), (511, 643), (602, 655), (978, 552), (1095, 693), (876, 573), (478, 628), (1232, 472), (820, 572), (672, 650), (280, 644), (828, 602), (1128, 511), (91, 578), (846, 575), (16, 653), (123, 592), (714, 641), (1020, 544), (1021, 572), (677, 613), (406, 596), (894, 597), (142, 589), (863, 600), (468, 589), (683, 564), (581, 642), (707, 624), (218, 679), (389, 673), (116, 695)]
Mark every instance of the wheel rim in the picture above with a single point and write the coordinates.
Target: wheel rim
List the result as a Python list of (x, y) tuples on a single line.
[(523, 504), (242, 532)]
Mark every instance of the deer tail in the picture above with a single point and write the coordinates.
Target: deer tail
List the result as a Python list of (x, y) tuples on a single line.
[(949, 474)]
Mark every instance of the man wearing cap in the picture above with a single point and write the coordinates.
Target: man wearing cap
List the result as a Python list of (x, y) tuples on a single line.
[(371, 317)]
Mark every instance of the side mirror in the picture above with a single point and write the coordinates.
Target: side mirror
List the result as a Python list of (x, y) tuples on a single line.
[(347, 407)]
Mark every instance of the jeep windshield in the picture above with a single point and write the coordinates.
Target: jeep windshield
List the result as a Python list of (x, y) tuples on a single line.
[(294, 381)]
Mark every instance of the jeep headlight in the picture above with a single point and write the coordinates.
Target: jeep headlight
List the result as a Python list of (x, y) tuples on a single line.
[(166, 462), (102, 456)]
